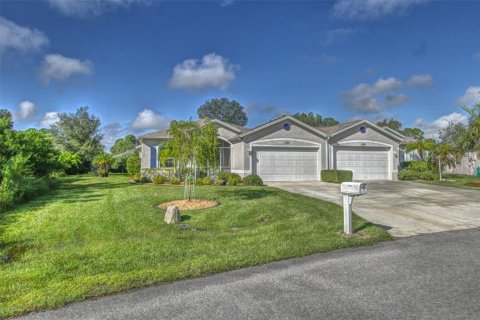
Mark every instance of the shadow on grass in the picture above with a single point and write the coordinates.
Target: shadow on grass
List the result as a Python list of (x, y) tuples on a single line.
[(247, 194), (366, 225)]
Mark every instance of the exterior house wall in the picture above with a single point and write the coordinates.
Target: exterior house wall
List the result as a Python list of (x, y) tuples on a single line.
[(271, 135), (467, 165), (371, 138), (275, 135), (149, 152)]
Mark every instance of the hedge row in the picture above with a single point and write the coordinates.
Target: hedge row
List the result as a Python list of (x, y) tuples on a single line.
[(337, 176)]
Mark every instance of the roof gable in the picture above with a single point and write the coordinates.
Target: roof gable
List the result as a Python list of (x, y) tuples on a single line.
[(278, 120), (353, 124)]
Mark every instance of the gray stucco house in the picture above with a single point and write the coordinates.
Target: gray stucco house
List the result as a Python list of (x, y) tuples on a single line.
[(286, 149)]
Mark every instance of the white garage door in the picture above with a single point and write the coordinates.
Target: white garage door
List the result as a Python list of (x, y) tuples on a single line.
[(366, 164), (286, 164)]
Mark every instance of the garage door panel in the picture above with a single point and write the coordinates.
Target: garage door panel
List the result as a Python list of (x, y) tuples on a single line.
[(372, 164), (286, 164)]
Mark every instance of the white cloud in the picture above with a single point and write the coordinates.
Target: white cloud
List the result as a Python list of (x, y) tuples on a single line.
[(48, 119), (26, 109), (335, 35), (13, 36), (371, 9), (392, 100), (149, 119), (58, 67), (112, 132), (419, 123), (421, 80), (368, 98), (85, 8), (213, 71), (434, 128), (471, 97)]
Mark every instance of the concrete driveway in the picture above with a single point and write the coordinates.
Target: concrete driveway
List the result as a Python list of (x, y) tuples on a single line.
[(403, 208)]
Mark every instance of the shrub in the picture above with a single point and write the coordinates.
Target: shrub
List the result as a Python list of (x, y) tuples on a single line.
[(222, 176), (18, 182), (174, 181), (136, 177), (337, 176), (409, 174), (253, 180), (134, 164), (233, 179), (206, 181), (145, 180), (159, 179), (418, 166)]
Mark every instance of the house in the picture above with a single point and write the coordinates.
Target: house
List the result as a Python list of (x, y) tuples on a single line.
[(286, 149)]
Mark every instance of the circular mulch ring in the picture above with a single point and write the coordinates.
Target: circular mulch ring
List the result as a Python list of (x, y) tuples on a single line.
[(185, 205)]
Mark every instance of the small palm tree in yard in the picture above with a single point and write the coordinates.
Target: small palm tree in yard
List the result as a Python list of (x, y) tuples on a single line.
[(103, 162), (421, 145), (446, 155)]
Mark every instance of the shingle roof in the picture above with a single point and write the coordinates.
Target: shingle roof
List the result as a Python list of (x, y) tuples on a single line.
[(161, 134), (339, 127), (164, 134)]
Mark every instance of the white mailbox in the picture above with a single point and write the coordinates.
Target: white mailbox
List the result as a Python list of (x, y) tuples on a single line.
[(349, 191), (353, 188)]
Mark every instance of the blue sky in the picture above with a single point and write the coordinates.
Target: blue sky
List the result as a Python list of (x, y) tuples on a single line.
[(138, 64)]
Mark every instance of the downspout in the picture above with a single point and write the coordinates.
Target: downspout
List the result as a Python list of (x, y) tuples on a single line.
[(327, 146)]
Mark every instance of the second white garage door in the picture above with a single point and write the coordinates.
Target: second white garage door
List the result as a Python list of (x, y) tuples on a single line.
[(286, 164), (366, 164)]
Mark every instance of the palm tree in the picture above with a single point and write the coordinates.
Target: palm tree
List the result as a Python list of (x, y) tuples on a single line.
[(471, 140), (421, 145), (446, 155), (103, 162)]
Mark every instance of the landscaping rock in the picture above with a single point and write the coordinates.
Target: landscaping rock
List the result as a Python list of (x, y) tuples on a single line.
[(184, 226), (172, 215)]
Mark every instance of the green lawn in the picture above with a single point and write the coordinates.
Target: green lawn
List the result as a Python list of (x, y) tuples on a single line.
[(96, 236), (455, 181)]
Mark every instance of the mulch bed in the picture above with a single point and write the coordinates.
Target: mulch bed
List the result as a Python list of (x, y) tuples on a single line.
[(473, 184), (185, 205)]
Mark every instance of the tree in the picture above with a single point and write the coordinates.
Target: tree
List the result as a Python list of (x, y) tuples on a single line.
[(6, 134), (421, 145), (126, 143), (103, 162), (315, 120), (225, 110), (329, 121), (414, 133), (6, 119), (471, 141), (40, 148), (134, 164), (192, 145), (391, 123), (79, 133), (445, 154)]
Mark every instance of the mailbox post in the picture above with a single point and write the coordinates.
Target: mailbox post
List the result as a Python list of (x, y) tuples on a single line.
[(349, 191)]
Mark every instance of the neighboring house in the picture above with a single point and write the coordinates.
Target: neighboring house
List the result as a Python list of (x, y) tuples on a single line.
[(286, 149)]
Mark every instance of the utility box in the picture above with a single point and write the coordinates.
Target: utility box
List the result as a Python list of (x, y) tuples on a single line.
[(353, 188)]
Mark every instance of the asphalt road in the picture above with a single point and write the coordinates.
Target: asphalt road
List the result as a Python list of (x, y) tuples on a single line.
[(434, 276)]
